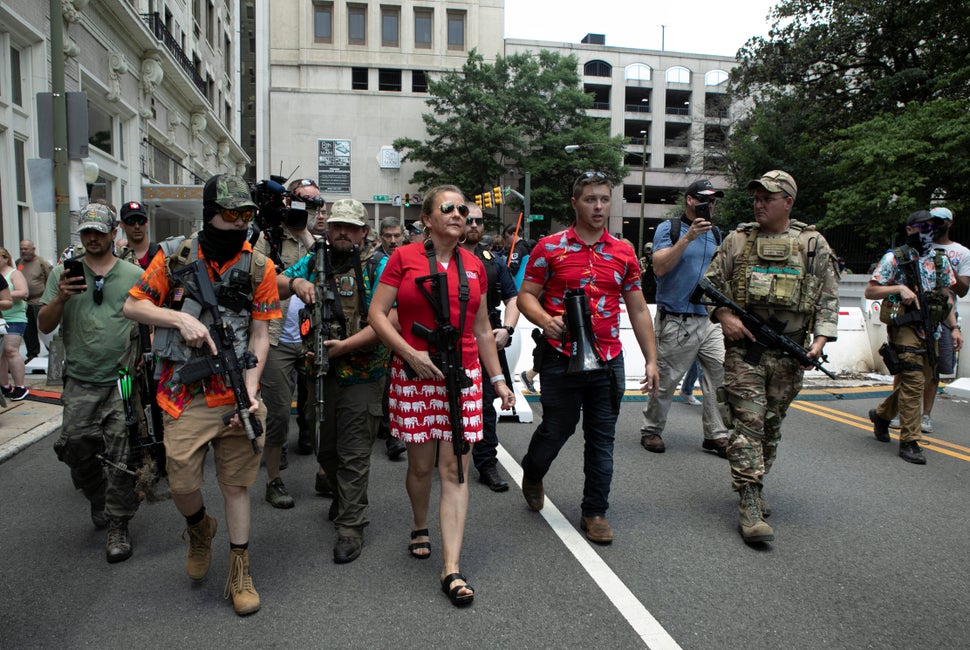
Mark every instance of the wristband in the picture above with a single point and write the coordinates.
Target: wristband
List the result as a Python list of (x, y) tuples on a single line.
[(496, 379), (509, 329), (292, 280)]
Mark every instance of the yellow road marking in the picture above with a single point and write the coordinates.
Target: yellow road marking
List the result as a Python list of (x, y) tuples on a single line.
[(935, 444)]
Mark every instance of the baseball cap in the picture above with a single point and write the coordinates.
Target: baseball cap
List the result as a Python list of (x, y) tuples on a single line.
[(348, 211), (96, 216), (776, 181), (703, 187), (133, 209), (942, 213), (918, 217), (229, 192), (416, 228)]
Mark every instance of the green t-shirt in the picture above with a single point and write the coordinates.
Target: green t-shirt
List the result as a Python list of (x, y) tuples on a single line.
[(98, 339)]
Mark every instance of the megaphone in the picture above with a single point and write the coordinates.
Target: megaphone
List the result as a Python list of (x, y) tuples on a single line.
[(583, 352)]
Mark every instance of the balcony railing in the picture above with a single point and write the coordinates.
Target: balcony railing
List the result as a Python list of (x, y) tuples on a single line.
[(601, 106), (677, 110), (157, 25), (638, 108)]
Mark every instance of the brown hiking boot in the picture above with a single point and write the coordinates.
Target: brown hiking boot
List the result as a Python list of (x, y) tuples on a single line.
[(200, 547), (751, 523), (118, 547), (239, 585)]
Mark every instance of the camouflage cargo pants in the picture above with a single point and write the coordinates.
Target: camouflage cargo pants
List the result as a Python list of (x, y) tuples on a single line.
[(759, 396), (94, 423)]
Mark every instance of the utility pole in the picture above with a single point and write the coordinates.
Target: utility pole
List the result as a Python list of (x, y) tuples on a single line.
[(62, 208)]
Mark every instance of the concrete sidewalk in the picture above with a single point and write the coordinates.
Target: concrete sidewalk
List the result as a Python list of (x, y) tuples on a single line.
[(25, 422)]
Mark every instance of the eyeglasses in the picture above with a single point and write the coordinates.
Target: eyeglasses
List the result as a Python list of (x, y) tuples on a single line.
[(135, 221), (98, 289), (599, 176), (704, 199), (448, 207), (231, 216), (765, 201), (477, 221), (306, 182), (925, 226)]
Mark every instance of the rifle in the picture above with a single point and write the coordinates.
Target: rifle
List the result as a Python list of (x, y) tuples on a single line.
[(768, 334), (923, 315), (195, 279), (444, 351), (318, 319), (148, 387)]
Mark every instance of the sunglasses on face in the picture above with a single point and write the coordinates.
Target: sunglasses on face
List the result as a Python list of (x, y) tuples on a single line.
[(231, 216), (477, 221), (98, 289), (135, 221), (705, 199), (448, 208), (925, 226)]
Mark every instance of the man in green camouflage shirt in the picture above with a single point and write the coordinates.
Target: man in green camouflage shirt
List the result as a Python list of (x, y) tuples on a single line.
[(782, 268)]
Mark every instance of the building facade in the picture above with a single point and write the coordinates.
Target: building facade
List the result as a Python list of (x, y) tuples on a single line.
[(160, 79)]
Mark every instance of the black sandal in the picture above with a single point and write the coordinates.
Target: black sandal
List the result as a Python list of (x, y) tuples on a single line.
[(458, 600), (417, 546)]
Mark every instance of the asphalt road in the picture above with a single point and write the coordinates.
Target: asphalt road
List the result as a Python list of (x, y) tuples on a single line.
[(870, 552)]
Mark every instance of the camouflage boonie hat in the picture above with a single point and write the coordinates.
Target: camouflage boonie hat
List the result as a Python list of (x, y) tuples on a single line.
[(229, 192), (776, 181), (96, 216), (348, 211)]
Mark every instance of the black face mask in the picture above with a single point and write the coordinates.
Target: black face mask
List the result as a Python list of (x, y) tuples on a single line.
[(220, 245), (921, 242)]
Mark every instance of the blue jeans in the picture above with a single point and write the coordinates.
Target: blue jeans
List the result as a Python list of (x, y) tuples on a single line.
[(691, 378), (563, 397)]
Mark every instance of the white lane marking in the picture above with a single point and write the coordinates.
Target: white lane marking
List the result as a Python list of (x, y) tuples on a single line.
[(639, 618)]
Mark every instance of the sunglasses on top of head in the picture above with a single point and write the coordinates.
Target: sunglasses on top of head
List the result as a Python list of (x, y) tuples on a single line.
[(449, 207)]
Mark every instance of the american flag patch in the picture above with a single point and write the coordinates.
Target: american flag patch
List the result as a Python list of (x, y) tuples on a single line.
[(178, 294)]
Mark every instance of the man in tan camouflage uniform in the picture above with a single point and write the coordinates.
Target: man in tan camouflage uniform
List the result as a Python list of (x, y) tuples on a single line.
[(782, 268)]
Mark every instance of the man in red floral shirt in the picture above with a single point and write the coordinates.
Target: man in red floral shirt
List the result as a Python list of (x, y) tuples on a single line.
[(586, 257)]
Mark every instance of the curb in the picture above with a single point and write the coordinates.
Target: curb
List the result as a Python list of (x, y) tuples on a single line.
[(10, 449)]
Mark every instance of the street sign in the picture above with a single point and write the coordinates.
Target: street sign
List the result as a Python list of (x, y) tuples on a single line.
[(536, 217), (381, 197)]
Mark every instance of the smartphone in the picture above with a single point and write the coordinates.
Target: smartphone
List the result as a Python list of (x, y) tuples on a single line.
[(74, 268), (702, 211)]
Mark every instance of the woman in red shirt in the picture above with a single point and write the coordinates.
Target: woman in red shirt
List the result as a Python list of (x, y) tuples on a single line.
[(418, 404)]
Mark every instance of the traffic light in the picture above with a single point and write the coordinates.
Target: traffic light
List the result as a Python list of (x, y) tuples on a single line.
[(478, 200), (497, 191), (407, 200), (488, 199)]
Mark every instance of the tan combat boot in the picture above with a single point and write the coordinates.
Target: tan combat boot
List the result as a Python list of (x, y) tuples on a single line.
[(245, 600), (751, 523), (200, 547), (763, 503)]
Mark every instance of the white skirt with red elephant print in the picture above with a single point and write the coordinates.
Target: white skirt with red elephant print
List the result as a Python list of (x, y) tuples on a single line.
[(418, 408)]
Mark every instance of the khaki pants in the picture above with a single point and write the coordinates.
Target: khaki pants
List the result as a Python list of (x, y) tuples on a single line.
[(907, 396)]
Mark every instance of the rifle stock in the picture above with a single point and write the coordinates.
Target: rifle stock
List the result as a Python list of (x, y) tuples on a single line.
[(195, 279), (768, 334)]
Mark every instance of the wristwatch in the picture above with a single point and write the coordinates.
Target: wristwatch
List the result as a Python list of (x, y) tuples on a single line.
[(509, 329)]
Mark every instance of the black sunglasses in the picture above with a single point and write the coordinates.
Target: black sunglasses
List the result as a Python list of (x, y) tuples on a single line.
[(448, 207), (925, 226), (704, 199), (475, 220), (135, 221), (98, 289)]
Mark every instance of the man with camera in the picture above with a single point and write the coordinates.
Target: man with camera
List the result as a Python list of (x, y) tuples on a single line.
[(212, 410), (584, 258), (914, 282), (85, 297), (285, 342), (682, 251)]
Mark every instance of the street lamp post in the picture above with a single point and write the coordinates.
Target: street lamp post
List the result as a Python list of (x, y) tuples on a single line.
[(569, 148)]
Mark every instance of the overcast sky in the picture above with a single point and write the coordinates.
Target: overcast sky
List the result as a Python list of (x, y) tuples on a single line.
[(700, 26)]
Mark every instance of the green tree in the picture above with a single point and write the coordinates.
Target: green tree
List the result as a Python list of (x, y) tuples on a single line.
[(834, 76), (517, 113)]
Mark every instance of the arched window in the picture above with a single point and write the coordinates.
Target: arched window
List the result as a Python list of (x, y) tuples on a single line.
[(715, 78), (678, 75), (598, 69), (638, 72)]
